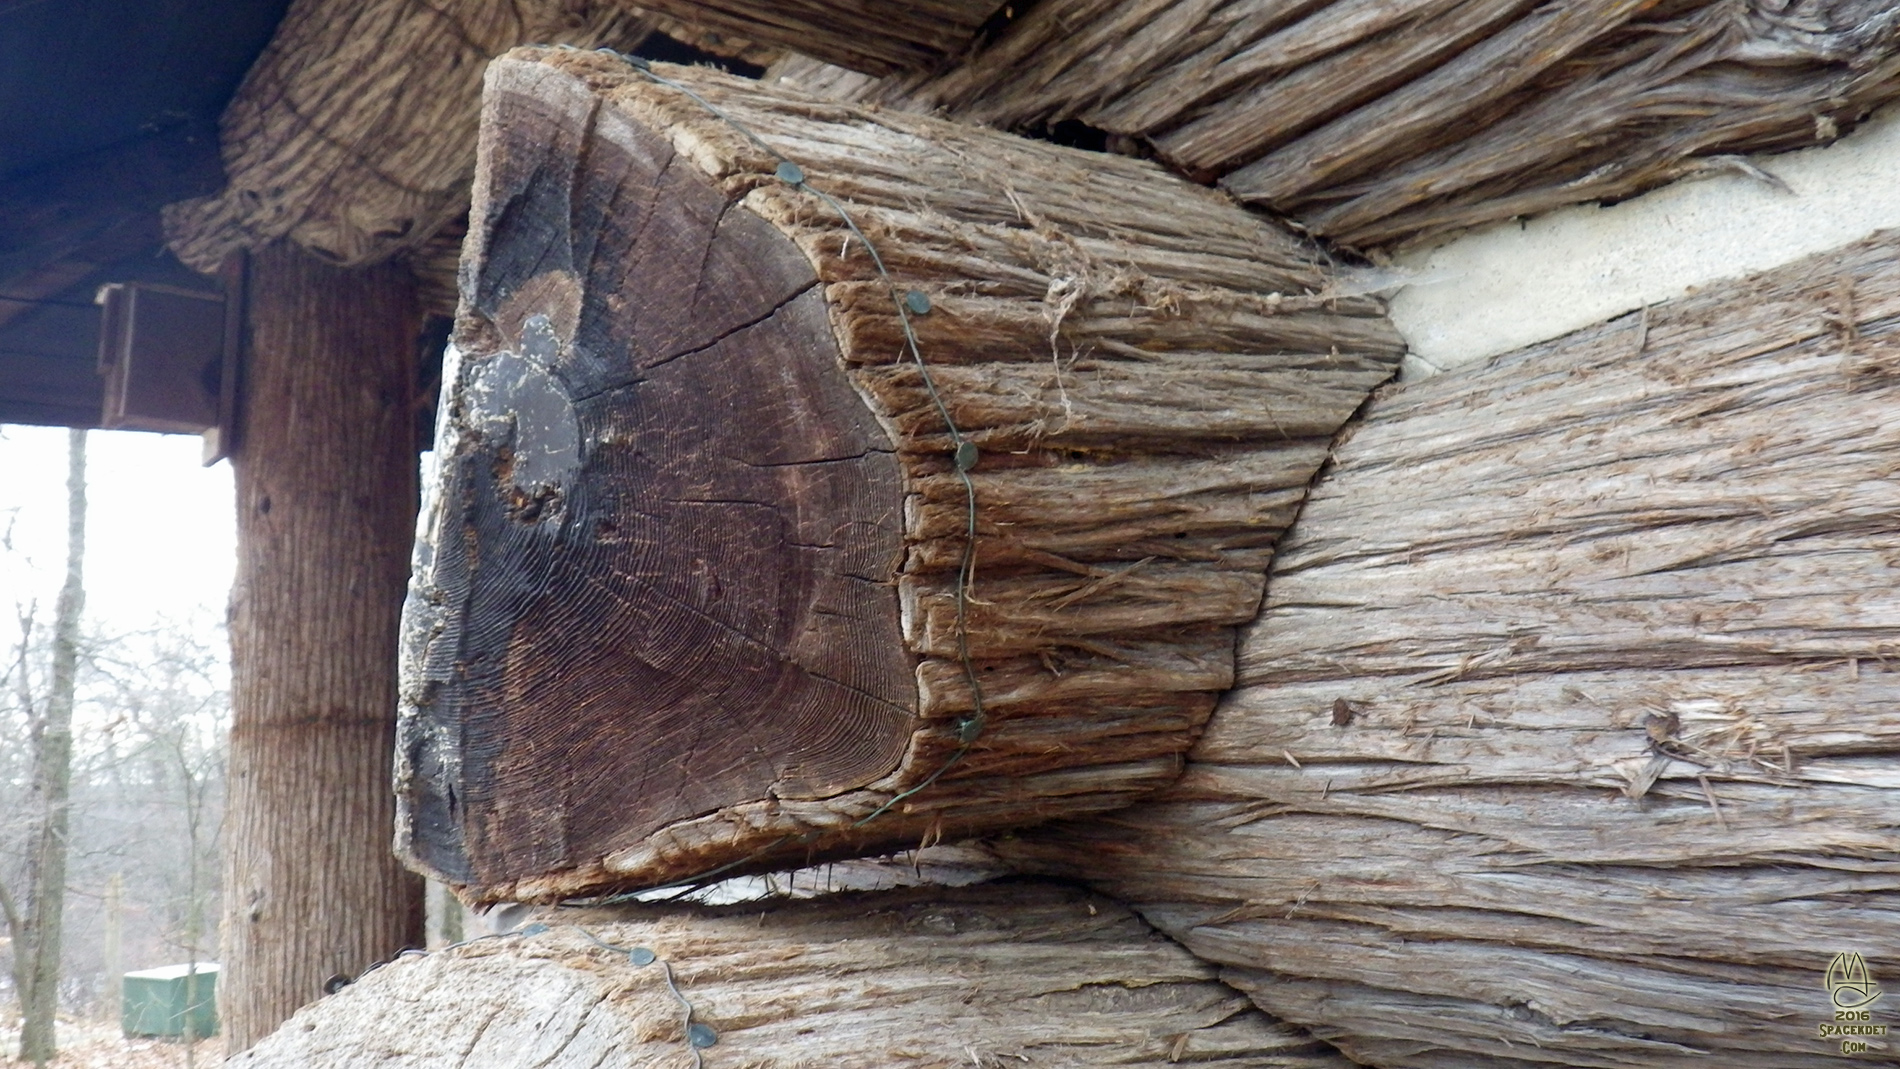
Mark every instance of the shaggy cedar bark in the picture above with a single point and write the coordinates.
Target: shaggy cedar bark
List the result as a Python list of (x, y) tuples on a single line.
[(353, 135), (687, 595), (1567, 733), (1376, 123), (879, 37), (326, 496), (988, 975)]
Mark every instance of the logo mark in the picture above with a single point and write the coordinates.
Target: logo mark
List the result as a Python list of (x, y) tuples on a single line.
[(1849, 983)]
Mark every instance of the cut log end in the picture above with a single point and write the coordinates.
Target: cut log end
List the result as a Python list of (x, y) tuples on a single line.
[(687, 595), (678, 509)]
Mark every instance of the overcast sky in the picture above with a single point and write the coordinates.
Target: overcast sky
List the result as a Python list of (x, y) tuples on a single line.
[(160, 528)]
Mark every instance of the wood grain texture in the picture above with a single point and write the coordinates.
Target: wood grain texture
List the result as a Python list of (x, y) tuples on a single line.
[(657, 554), (326, 488), (1567, 734), (1380, 122), (688, 598), (994, 975), (353, 135), (873, 36)]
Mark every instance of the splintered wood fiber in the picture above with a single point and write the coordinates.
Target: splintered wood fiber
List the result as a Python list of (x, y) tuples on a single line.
[(1375, 122), (1568, 733)]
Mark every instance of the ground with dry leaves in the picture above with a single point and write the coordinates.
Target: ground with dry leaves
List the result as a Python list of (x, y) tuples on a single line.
[(87, 1044)]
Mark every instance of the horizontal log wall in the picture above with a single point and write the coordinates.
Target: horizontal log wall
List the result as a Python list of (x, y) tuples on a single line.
[(1014, 974), (1375, 123), (1568, 733)]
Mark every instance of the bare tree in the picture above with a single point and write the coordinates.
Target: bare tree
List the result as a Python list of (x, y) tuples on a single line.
[(149, 723), (35, 922), (198, 775)]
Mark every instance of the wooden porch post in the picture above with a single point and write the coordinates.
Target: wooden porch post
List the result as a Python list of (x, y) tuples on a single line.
[(326, 491)]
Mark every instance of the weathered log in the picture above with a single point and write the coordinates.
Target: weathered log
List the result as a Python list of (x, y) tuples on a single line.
[(1373, 122), (688, 598), (873, 36), (1568, 733), (353, 135), (1002, 974)]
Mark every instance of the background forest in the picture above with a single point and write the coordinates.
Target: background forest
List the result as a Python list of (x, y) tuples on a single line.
[(149, 707), (147, 793)]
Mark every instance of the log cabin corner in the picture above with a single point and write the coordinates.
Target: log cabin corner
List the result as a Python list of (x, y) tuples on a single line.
[(1364, 528)]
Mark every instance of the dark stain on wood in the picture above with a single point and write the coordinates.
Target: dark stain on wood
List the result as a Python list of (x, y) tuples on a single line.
[(659, 555), (1342, 712)]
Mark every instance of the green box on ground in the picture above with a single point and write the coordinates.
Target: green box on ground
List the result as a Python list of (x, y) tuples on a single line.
[(157, 1001)]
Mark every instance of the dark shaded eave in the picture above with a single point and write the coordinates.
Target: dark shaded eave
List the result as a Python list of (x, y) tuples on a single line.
[(108, 111)]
